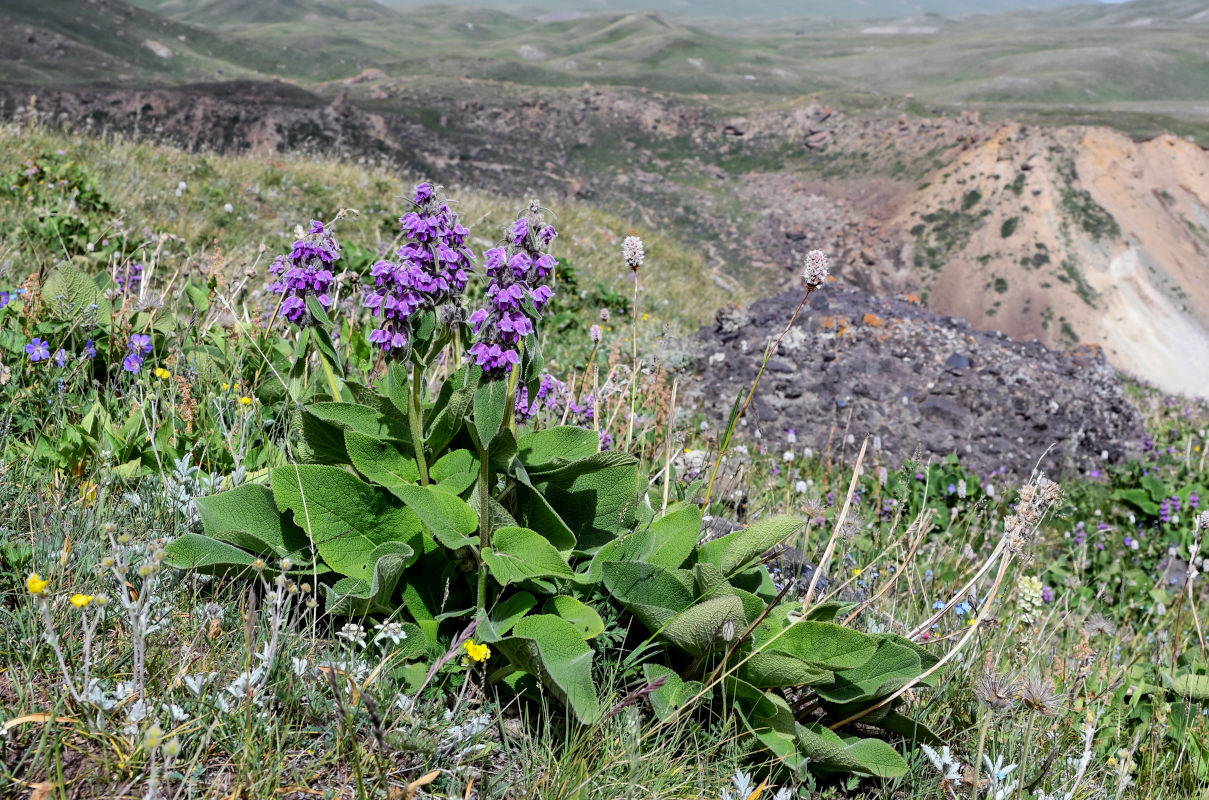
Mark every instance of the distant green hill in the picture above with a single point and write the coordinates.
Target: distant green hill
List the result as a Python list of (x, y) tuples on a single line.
[(845, 9)]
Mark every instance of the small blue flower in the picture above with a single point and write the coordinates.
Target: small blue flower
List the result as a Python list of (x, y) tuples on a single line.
[(61, 358), (963, 608), (90, 349), (938, 605), (38, 349)]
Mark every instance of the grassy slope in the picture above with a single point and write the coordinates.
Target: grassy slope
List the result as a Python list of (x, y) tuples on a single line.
[(270, 196)]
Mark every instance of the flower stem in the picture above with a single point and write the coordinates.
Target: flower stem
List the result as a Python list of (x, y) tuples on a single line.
[(634, 369), (416, 417), (484, 524), (735, 422)]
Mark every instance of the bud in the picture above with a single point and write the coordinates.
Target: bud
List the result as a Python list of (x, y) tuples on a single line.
[(728, 631)]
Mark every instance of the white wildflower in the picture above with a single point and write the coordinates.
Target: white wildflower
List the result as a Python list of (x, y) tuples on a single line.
[(632, 251), (814, 269)]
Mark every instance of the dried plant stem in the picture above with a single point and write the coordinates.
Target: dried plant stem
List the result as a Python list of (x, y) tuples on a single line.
[(925, 523), (808, 600), (730, 431), (667, 449), (634, 371)]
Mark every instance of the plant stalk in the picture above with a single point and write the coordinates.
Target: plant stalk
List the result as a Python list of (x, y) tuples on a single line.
[(484, 525), (416, 418)]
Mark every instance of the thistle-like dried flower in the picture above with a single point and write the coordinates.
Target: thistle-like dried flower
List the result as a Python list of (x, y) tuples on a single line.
[(1097, 624), (1039, 695), (997, 693), (631, 250), (814, 269)]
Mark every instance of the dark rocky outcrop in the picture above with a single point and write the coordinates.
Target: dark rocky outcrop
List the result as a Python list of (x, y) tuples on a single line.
[(856, 365)]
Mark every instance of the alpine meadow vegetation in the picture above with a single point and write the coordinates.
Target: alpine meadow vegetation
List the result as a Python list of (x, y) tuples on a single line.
[(320, 481)]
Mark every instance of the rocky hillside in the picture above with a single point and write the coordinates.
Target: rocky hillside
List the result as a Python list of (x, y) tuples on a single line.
[(916, 383)]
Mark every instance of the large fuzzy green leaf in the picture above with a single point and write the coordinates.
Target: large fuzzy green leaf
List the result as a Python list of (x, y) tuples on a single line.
[(653, 594), (697, 629), (383, 461), (551, 448), (1194, 687), (551, 649), (519, 554), (209, 556), (823, 644), (772, 669), (490, 404), (776, 731), (356, 597), (890, 668), (448, 516), (595, 496), (825, 747), (675, 693), (582, 616), (456, 471), (345, 517), (68, 290), (316, 441), (450, 416), (362, 419), (542, 517), (247, 517), (738, 550)]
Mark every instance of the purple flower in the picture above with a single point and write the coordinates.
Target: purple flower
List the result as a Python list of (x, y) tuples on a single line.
[(130, 278), (140, 347), (61, 358), (5, 298), (1047, 594), (432, 270), (516, 295), (90, 349), (37, 349), (140, 343), (305, 272)]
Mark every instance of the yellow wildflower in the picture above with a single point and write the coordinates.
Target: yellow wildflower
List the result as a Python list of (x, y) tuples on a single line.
[(478, 652), (81, 600), (245, 401), (162, 373), (856, 572), (226, 386), (35, 583)]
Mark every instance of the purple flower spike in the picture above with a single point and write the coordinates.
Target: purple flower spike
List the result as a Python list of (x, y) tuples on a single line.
[(305, 272), (516, 295), (432, 269)]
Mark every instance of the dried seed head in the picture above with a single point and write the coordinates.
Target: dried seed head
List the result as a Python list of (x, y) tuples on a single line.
[(1038, 695), (997, 693), (1097, 624)]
